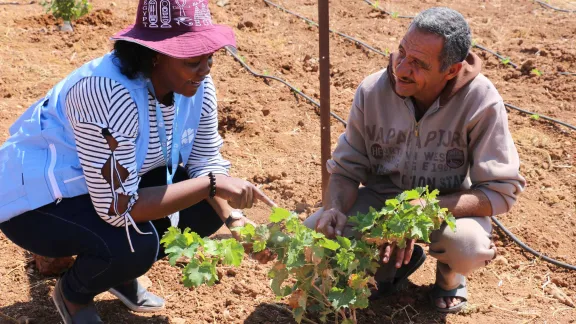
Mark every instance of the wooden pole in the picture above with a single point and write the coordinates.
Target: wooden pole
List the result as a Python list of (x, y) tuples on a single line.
[(324, 40)]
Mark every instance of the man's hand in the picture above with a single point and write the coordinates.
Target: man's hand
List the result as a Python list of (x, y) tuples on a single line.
[(263, 256), (402, 255), (331, 223)]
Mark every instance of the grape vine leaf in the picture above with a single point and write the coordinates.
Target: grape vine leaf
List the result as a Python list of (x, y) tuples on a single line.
[(329, 244), (341, 297), (232, 252), (279, 214)]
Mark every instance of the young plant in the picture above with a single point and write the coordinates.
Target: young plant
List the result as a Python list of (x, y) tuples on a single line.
[(394, 14), (536, 72), (321, 276), (505, 61), (202, 255), (376, 4), (68, 10), (332, 276), (535, 117)]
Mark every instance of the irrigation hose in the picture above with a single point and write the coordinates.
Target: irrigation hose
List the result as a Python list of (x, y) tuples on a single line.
[(348, 37), (502, 58), (494, 219), (232, 51), (544, 4), (529, 249), (540, 116)]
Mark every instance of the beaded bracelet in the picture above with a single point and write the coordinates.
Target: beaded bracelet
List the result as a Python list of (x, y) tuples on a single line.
[(212, 185)]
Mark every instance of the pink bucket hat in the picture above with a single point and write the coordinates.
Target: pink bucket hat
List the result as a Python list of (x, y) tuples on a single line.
[(177, 28)]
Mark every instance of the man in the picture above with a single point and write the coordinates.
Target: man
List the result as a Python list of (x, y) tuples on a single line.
[(429, 119)]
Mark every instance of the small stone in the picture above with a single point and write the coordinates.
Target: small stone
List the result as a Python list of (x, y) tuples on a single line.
[(559, 282), (301, 123), (301, 207), (231, 273), (265, 112)]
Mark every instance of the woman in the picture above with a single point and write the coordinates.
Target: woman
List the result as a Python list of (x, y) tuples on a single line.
[(93, 169)]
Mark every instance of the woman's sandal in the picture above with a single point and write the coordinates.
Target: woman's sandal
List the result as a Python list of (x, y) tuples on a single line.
[(460, 292), (137, 298), (86, 315)]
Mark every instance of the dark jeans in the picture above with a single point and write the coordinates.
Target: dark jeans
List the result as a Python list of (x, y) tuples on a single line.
[(104, 259)]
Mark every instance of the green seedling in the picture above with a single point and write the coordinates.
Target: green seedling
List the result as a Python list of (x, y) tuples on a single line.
[(505, 61), (68, 10), (535, 117), (536, 72), (394, 14)]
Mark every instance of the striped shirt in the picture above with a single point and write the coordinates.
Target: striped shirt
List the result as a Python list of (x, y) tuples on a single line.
[(99, 106)]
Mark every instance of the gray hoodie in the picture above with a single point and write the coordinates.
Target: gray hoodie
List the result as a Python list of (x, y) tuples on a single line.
[(461, 142)]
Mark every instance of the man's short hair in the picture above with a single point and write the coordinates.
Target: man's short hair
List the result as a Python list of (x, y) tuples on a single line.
[(450, 25)]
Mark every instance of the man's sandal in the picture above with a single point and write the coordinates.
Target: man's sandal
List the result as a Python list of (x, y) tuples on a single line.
[(86, 315), (400, 281), (459, 292)]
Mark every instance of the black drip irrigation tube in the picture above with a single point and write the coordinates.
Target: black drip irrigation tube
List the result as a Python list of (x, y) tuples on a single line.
[(529, 249), (312, 22), (232, 52), (539, 255), (540, 116), (502, 58), (544, 4)]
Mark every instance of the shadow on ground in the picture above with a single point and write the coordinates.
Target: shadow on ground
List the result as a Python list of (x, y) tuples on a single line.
[(409, 306)]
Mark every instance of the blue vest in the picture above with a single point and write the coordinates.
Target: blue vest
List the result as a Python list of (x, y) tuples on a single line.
[(39, 163)]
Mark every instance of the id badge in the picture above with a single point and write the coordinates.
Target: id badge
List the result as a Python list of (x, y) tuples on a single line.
[(174, 219)]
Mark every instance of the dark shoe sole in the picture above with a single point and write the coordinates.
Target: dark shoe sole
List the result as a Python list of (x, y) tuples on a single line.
[(402, 274)]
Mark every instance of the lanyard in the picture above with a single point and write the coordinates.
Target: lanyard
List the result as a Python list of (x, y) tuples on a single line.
[(172, 159)]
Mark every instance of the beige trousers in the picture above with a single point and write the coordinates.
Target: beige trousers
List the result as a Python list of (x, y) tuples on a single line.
[(458, 253)]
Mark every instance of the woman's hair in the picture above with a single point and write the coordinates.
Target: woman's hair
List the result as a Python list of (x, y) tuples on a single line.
[(133, 59)]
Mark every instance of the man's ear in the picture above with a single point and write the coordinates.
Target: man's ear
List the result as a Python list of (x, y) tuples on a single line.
[(453, 71)]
